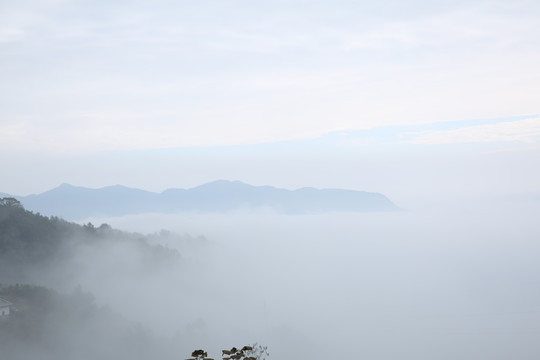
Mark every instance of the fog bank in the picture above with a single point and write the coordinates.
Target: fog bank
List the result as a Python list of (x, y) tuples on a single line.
[(452, 283)]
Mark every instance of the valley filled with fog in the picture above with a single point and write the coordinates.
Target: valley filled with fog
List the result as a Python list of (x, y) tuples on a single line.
[(330, 179), (459, 282)]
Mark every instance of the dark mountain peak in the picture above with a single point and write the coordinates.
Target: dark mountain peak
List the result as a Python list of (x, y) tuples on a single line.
[(63, 188), (66, 187), (74, 202)]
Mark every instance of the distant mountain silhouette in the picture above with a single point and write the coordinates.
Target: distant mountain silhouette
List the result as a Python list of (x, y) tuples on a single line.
[(75, 203)]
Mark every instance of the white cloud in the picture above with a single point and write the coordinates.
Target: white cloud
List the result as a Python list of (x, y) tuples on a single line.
[(104, 76), (524, 131)]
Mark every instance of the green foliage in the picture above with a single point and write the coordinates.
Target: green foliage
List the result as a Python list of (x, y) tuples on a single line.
[(257, 351), (34, 243), (248, 352), (45, 324), (199, 355), (10, 202)]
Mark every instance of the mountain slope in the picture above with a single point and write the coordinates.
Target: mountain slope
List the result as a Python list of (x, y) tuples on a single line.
[(75, 202), (35, 247), (71, 202)]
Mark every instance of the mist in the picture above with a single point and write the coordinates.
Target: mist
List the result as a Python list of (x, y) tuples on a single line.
[(448, 283), (431, 104)]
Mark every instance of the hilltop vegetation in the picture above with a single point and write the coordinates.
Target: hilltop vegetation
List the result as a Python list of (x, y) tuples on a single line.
[(47, 325), (56, 317), (33, 248), (68, 324)]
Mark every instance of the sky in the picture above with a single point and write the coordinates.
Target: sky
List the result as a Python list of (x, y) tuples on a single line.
[(431, 103), (406, 98)]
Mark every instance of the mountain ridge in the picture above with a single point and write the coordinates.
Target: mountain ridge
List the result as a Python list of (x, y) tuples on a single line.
[(77, 202)]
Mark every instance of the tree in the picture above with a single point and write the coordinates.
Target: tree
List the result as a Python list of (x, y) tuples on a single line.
[(199, 355), (10, 202), (256, 351), (248, 352)]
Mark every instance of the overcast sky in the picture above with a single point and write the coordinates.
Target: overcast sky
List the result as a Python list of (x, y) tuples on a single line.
[(399, 97)]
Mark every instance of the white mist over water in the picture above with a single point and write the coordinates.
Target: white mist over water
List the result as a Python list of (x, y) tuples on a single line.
[(462, 283)]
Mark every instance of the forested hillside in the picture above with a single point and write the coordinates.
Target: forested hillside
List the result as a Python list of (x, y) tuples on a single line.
[(36, 248), (66, 323), (47, 325)]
